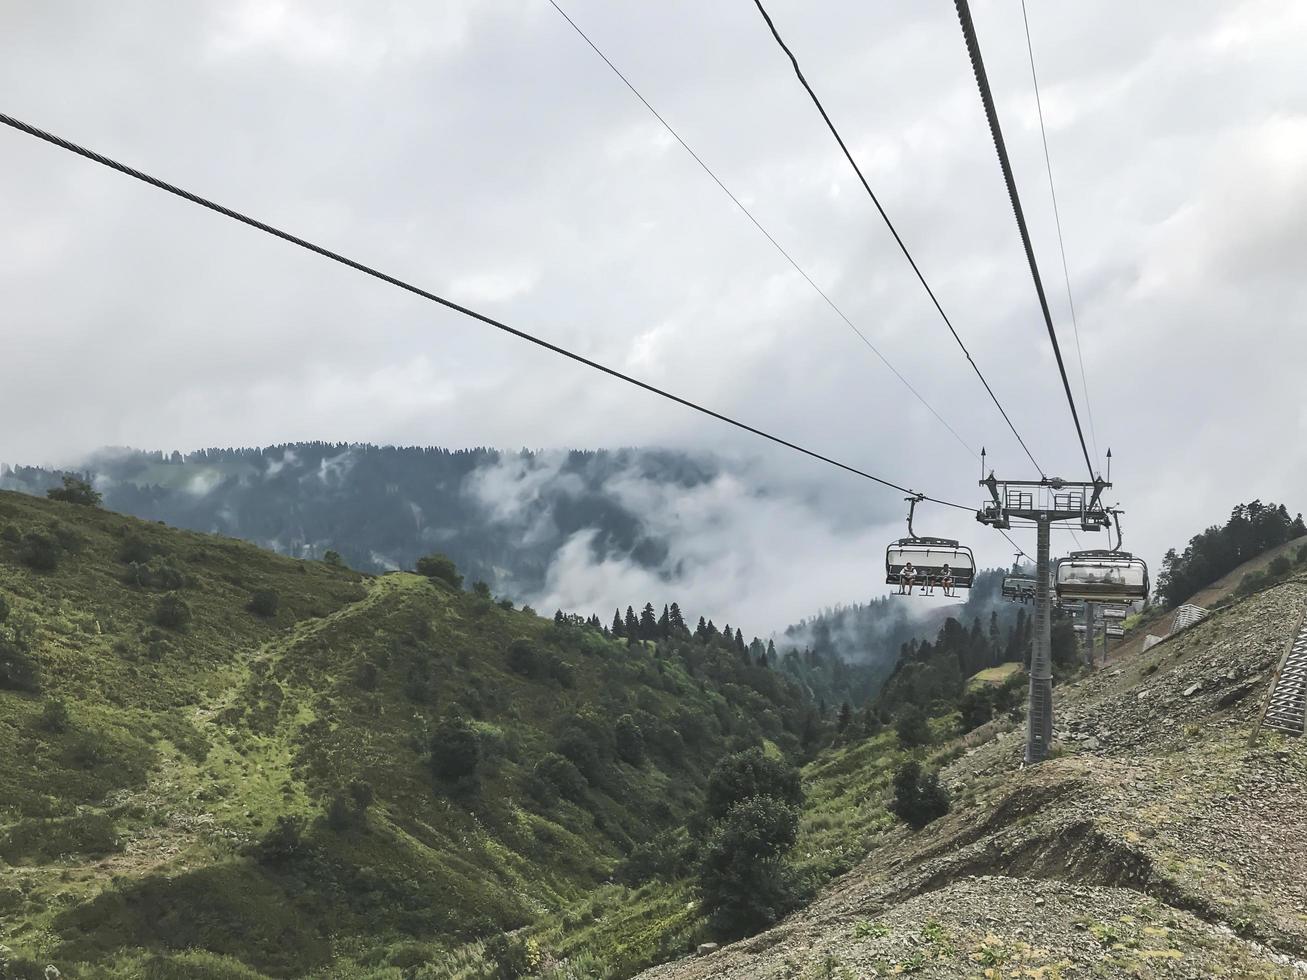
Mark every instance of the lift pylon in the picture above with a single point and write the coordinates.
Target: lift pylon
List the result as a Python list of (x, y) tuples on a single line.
[(1043, 502)]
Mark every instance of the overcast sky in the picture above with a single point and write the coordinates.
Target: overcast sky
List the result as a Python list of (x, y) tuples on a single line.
[(482, 150)]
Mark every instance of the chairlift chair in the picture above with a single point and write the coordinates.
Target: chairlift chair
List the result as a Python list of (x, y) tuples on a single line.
[(1112, 576), (1018, 586), (1115, 632), (928, 558)]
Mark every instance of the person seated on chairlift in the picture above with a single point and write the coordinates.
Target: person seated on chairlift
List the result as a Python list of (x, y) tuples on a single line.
[(946, 580), (906, 577)]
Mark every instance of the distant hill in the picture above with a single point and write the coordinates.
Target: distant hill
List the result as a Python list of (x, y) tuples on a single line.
[(502, 517), (216, 761)]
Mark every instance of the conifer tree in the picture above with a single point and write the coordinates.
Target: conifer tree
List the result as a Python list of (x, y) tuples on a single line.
[(701, 631), (677, 622), (632, 624), (618, 628), (740, 648), (845, 717), (665, 624), (648, 623)]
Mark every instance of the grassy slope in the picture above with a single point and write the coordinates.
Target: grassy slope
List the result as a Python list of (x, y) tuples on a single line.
[(125, 837)]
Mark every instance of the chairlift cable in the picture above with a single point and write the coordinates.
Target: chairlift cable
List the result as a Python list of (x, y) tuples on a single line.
[(893, 231), (757, 224), (996, 131), (1057, 220), (122, 168)]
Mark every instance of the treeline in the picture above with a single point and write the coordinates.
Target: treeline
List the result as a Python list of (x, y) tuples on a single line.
[(931, 678), (1251, 530)]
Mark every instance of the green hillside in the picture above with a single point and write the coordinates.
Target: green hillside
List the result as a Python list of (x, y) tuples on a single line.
[(219, 762)]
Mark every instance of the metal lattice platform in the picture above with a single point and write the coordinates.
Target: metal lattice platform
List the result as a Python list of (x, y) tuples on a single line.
[(1286, 710)]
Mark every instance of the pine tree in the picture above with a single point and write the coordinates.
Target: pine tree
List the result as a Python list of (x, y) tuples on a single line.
[(728, 634), (701, 631), (845, 717), (665, 624), (648, 623), (771, 652), (740, 648), (677, 622), (618, 628), (632, 624), (710, 632)]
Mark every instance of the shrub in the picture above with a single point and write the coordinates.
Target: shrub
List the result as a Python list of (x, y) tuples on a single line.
[(918, 797), (557, 776), (441, 569), (1279, 566), (13, 535), (522, 658), (455, 750), (746, 775), (54, 716), (629, 740), (264, 602), (157, 573), (481, 590), (360, 791), (366, 677), (4, 609), (912, 727), (283, 843), (667, 855), (580, 749), (18, 669), (743, 880), (39, 551), (512, 957), (333, 558), (172, 611), (135, 550), (339, 814), (75, 491)]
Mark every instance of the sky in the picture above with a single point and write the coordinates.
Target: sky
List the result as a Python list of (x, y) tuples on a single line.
[(480, 149)]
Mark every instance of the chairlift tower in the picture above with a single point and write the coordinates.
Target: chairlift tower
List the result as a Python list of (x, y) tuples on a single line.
[(1043, 502)]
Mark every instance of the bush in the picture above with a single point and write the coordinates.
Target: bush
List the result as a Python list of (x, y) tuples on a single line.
[(75, 491), (918, 797), (55, 716), (912, 727), (339, 814), (441, 569), (1279, 566), (512, 957), (172, 611), (629, 740), (579, 747), (283, 843), (746, 775), (264, 602), (157, 573), (135, 550), (18, 668), (556, 776), (743, 880), (455, 750), (4, 609), (366, 677), (522, 658), (39, 551), (360, 791), (667, 855), (333, 558)]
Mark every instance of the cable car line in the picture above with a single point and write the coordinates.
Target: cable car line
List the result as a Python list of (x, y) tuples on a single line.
[(1057, 220), (286, 236), (757, 224), (996, 131), (893, 231)]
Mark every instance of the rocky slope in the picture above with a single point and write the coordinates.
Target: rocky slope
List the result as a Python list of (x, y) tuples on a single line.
[(1157, 841)]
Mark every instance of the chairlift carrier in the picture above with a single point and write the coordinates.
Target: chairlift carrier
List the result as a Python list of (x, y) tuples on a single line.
[(1106, 576), (1017, 586), (928, 557)]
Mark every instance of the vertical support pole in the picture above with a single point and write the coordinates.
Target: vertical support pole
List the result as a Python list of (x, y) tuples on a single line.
[(1039, 722), (1090, 628)]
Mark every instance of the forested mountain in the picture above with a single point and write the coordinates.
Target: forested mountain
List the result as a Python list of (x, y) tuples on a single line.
[(1252, 529), (220, 762), (502, 517)]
